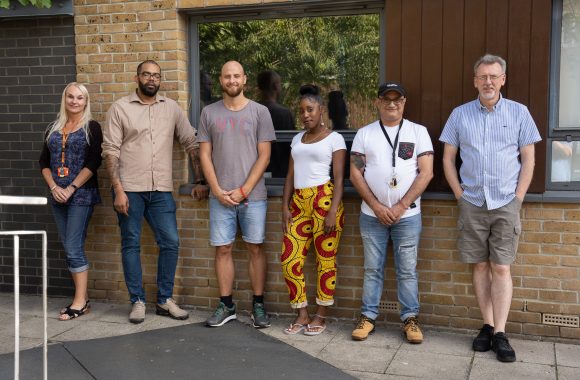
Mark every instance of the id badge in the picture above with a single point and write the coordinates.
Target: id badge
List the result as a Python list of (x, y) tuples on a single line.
[(393, 182), (62, 171)]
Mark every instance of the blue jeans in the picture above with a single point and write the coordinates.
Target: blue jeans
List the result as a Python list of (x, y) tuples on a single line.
[(158, 208), (375, 237), (72, 223)]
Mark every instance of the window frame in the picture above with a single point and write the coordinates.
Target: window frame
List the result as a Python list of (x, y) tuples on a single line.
[(554, 132), (273, 11)]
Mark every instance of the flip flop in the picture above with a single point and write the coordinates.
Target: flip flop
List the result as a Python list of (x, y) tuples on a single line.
[(319, 330), (294, 328)]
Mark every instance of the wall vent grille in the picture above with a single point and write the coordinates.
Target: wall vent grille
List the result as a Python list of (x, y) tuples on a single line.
[(561, 320), (388, 306)]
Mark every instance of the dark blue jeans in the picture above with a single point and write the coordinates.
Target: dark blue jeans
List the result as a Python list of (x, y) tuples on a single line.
[(158, 208), (72, 223)]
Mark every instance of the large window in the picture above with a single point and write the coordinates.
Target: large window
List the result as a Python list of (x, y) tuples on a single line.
[(337, 48), (564, 142)]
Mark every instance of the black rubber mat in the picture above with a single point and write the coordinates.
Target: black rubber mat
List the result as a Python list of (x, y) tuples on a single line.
[(234, 351)]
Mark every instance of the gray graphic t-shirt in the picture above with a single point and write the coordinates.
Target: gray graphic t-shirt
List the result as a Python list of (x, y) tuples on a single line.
[(234, 136)]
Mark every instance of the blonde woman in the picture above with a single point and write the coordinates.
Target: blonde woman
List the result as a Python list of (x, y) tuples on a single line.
[(69, 161)]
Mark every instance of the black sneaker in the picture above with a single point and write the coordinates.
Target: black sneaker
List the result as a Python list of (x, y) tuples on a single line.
[(501, 346), (482, 341)]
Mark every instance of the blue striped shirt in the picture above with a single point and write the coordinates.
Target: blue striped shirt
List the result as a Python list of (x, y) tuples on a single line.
[(489, 145)]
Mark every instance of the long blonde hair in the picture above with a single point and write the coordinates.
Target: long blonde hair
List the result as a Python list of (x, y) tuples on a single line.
[(62, 116)]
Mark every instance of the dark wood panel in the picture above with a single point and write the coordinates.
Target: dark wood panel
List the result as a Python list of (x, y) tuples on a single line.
[(453, 52), (431, 78), (411, 56), (518, 73), (394, 36), (473, 43), (540, 84), (496, 32), (433, 44), (452, 79)]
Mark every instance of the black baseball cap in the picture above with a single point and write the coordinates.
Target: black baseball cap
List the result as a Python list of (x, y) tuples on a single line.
[(391, 86)]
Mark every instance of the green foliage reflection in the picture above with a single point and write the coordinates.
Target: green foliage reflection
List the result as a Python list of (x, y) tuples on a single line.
[(336, 52)]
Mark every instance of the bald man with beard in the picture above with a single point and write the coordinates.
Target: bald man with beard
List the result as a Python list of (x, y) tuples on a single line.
[(235, 136)]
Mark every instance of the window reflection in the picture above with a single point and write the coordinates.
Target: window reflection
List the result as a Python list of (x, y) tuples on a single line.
[(565, 161)]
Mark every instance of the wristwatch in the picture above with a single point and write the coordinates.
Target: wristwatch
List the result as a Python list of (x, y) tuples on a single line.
[(74, 186)]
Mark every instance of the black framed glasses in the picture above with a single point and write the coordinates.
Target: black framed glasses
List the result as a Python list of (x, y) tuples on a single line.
[(148, 75)]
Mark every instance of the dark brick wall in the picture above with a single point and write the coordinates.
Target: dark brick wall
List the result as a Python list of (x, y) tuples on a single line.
[(37, 60)]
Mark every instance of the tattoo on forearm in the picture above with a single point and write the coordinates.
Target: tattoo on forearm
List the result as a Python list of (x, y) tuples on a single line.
[(358, 160), (112, 166), (196, 163)]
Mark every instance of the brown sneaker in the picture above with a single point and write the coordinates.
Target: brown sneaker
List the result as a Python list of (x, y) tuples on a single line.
[(412, 330), (170, 309), (364, 327)]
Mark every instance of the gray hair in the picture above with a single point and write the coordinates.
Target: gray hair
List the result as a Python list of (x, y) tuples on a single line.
[(490, 59)]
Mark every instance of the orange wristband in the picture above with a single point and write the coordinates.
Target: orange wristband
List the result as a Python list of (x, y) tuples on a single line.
[(243, 194)]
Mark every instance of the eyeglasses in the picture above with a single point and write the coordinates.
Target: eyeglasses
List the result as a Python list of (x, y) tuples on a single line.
[(388, 101), (148, 75), (484, 78)]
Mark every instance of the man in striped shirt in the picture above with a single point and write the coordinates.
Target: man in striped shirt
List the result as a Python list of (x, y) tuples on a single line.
[(495, 138)]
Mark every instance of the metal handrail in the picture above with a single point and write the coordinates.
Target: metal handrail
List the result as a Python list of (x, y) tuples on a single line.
[(21, 200)]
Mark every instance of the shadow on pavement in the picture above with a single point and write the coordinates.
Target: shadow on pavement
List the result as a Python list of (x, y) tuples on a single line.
[(193, 351)]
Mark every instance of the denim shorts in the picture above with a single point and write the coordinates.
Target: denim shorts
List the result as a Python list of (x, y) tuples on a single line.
[(223, 222)]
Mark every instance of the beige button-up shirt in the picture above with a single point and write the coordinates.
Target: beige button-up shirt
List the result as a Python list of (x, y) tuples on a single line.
[(141, 136)]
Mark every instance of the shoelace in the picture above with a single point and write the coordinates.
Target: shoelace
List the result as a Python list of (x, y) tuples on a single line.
[(220, 309), (259, 310), (361, 322), (412, 325)]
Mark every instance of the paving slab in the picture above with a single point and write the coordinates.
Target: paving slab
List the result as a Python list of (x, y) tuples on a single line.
[(568, 355), (530, 351), (61, 365), (7, 344), (442, 343), (357, 358), (485, 369), (428, 365), (568, 373), (378, 376)]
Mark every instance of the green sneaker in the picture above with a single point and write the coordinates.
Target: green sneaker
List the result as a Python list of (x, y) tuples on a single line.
[(221, 315), (259, 316)]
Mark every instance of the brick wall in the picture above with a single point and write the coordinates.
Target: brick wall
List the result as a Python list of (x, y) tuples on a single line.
[(37, 59), (113, 36)]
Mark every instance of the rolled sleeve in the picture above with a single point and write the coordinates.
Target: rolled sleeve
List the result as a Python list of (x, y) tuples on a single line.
[(112, 133), (185, 133)]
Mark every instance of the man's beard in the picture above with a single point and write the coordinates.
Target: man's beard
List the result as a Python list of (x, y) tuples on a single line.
[(146, 91), (233, 91)]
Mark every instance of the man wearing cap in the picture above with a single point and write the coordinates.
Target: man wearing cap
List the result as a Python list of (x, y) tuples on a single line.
[(391, 164)]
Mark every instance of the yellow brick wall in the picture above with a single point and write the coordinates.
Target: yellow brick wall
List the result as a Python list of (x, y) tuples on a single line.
[(113, 36)]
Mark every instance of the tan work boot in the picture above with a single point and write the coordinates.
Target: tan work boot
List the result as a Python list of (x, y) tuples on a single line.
[(412, 330), (137, 314), (364, 327), (170, 309)]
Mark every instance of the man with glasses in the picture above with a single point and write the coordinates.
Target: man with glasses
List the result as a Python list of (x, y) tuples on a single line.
[(138, 149), (495, 138), (391, 166)]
